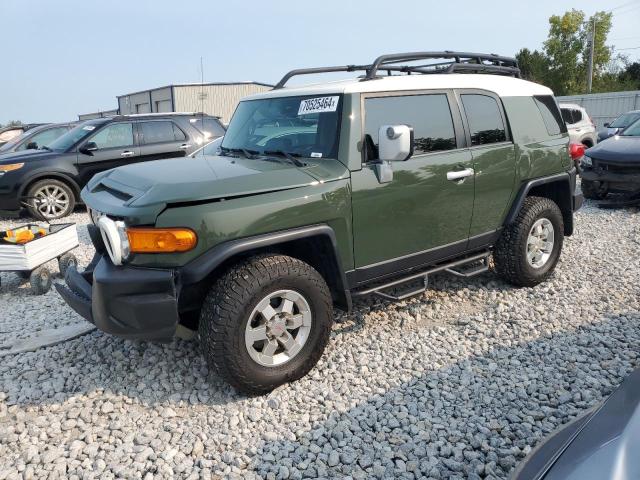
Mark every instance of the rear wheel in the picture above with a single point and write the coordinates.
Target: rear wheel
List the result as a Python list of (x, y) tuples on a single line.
[(528, 250), (50, 199), (266, 322), (594, 190)]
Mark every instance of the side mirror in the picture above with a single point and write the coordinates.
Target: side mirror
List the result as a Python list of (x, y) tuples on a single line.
[(32, 146), (395, 142), (606, 124), (88, 147)]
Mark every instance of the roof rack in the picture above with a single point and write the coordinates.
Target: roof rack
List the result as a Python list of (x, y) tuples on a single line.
[(455, 62)]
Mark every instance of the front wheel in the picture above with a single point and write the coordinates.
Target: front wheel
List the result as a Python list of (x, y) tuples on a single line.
[(528, 249), (266, 322), (50, 199)]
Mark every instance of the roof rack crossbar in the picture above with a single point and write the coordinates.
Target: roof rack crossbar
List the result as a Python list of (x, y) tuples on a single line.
[(453, 62)]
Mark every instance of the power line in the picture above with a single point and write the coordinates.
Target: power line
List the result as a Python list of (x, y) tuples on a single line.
[(621, 6)]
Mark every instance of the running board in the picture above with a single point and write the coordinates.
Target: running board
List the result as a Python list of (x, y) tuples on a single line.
[(424, 277)]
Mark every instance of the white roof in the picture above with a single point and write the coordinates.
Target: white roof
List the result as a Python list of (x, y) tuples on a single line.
[(503, 86)]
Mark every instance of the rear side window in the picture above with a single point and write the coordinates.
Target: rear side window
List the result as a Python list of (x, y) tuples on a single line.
[(577, 116), (429, 115), (551, 114), (160, 132), (567, 115), (485, 121)]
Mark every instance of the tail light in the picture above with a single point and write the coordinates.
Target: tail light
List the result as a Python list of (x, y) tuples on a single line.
[(576, 151)]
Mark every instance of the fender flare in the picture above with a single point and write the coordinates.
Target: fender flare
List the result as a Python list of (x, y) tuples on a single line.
[(54, 175), (199, 268), (565, 177)]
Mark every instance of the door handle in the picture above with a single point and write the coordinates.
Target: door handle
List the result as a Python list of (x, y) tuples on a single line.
[(460, 174), (127, 153), (184, 146)]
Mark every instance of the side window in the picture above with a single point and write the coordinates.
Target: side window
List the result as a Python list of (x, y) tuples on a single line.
[(551, 114), (567, 115), (429, 115), (178, 134), (44, 138), (577, 116), (157, 132), (485, 121), (114, 135)]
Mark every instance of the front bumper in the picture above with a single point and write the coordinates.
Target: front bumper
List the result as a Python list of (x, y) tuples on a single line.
[(125, 301), (617, 180)]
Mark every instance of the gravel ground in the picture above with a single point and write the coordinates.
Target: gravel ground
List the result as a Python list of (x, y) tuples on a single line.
[(28, 314), (460, 382)]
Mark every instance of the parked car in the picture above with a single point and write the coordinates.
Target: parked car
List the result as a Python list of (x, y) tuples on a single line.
[(325, 193), (619, 124), (36, 137), (613, 166), (8, 133), (580, 127), (48, 181), (602, 444)]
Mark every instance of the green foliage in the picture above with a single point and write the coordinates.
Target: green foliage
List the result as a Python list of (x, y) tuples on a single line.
[(563, 62)]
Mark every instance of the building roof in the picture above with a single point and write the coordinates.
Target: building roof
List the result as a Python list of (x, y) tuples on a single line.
[(196, 85), (501, 85)]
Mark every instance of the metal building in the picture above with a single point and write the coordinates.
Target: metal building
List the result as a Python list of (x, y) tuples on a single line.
[(218, 99), (101, 114), (604, 107)]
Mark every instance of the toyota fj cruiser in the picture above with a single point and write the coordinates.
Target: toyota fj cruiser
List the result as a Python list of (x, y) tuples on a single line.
[(321, 194)]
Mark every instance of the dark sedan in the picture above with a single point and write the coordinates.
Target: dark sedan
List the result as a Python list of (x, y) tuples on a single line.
[(613, 166), (619, 124), (602, 445)]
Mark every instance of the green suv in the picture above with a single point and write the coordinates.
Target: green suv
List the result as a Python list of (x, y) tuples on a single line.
[(324, 193)]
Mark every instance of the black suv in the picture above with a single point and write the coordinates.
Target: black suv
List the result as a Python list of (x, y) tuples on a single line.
[(48, 181)]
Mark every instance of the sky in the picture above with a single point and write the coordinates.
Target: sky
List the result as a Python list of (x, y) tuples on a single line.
[(67, 57)]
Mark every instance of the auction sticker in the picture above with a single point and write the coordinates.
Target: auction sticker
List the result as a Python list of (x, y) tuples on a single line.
[(89, 127), (318, 105)]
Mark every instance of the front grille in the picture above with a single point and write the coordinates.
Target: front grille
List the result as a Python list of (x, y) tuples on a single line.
[(604, 166)]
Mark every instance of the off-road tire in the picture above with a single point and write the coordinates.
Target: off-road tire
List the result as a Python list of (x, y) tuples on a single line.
[(226, 310), (594, 190), (510, 253), (50, 183)]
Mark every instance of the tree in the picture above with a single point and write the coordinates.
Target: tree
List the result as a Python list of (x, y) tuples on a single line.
[(562, 63)]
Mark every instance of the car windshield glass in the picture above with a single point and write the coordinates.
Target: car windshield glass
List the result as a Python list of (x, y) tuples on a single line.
[(73, 136), (624, 120), (632, 130), (306, 126)]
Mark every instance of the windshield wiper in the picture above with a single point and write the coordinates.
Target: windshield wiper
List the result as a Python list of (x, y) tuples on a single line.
[(289, 156), (250, 154)]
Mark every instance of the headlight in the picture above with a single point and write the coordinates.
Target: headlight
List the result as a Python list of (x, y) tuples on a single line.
[(10, 167), (586, 161), (114, 236)]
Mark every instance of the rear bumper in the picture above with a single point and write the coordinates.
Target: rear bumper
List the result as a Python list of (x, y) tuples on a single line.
[(128, 302)]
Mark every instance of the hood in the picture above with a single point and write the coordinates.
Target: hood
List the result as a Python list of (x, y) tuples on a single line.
[(150, 186), (608, 445), (617, 149), (24, 155)]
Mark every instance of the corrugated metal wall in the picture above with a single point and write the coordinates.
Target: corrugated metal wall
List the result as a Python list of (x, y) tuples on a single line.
[(220, 100), (604, 107)]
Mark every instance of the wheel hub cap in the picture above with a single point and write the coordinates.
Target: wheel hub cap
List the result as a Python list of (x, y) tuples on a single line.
[(540, 243), (278, 328)]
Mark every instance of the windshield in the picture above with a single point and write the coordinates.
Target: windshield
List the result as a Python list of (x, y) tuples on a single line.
[(306, 126), (632, 130), (73, 136), (625, 120)]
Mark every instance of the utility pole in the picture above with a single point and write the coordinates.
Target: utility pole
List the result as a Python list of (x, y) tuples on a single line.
[(592, 47)]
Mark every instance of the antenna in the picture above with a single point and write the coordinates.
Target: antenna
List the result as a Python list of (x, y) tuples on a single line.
[(204, 135)]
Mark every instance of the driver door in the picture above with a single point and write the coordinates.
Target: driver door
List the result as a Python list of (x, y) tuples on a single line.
[(424, 212), (117, 145)]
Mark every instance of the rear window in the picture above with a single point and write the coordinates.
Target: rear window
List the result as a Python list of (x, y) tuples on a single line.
[(485, 121), (551, 114), (210, 127)]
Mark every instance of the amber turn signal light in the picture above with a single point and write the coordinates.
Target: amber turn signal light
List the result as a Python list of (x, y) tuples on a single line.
[(161, 240)]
